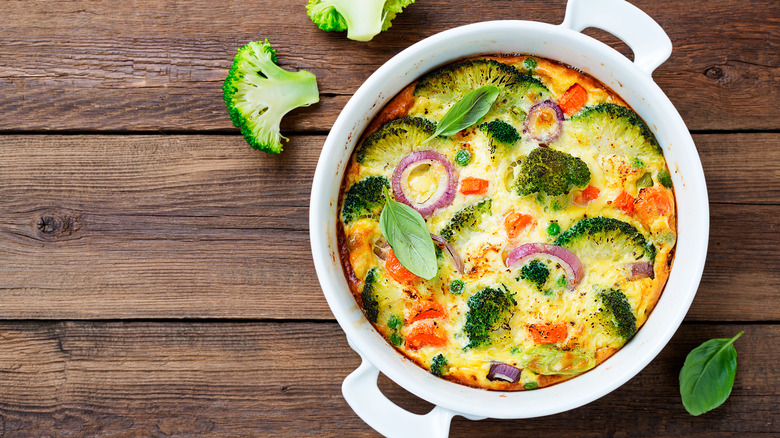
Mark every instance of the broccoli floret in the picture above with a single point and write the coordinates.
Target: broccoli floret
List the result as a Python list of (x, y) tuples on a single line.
[(606, 238), (618, 313), (467, 219), (364, 199), (551, 172), (445, 86), (501, 131), (489, 310), (536, 272), (258, 93), (665, 179), (362, 19), (439, 365), (616, 129), (369, 297), (396, 139)]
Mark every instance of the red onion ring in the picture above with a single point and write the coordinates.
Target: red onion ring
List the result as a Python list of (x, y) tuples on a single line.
[(567, 259), (641, 270), (445, 192), (542, 133), (503, 371), (451, 251)]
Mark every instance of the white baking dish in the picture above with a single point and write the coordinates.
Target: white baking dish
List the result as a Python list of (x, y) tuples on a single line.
[(633, 82)]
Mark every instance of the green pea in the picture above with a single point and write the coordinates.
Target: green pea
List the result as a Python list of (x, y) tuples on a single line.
[(396, 340), (530, 63), (531, 385), (457, 287), (553, 229), (394, 322), (463, 157)]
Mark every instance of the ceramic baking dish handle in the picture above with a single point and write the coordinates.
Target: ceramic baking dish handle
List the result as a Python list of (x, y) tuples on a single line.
[(364, 397), (649, 42)]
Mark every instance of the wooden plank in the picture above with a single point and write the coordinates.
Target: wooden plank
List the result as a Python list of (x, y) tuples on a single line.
[(154, 65), (201, 226), (252, 379)]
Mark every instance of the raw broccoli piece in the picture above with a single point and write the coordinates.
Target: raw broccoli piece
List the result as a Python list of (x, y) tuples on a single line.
[(536, 272), (443, 87), (364, 199), (467, 219), (258, 93), (606, 238), (616, 129), (439, 365), (362, 19), (396, 139), (489, 311), (501, 131), (551, 172), (617, 312)]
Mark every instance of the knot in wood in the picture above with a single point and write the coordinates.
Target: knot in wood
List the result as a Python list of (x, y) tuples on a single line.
[(714, 73), (57, 225)]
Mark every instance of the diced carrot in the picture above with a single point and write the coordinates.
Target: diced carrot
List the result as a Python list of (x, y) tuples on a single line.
[(548, 332), (573, 99), (624, 202), (426, 332), (515, 222), (474, 186), (653, 202), (426, 310), (586, 195), (397, 270)]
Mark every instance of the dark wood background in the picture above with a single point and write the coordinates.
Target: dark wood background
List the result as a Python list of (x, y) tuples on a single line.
[(155, 272)]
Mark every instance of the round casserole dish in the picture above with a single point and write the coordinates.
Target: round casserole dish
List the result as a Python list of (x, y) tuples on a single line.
[(564, 43)]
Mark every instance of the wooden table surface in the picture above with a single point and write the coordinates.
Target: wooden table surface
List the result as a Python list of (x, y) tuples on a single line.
[(155, 272)]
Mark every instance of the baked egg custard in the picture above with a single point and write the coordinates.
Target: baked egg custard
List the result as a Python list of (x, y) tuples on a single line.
[(553, 219)]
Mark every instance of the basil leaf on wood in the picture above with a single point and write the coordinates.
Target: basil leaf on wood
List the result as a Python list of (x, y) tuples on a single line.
[(408, 235), (467, 111), (707, 376)]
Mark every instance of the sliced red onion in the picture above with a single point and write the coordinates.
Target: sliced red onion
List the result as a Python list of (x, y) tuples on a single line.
[(567, 259), (503, 371), (544, 121), (451, 251), (381, 249), (445, 190), (642, 270)]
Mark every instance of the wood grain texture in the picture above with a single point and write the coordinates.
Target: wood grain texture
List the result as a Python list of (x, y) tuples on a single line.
[(253, 379), (201, 226), (158, 65)]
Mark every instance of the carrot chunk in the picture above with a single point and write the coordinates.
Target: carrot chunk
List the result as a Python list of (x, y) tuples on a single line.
[(396, 270), (573, 99), (516, 222), (583, 197), (426, 310), (653, 202), (548, 332), (474, 186), (624, 202)]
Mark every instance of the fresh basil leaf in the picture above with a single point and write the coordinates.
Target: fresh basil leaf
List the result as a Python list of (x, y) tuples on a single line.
[(707, 376), (408, 235), (467, 111)]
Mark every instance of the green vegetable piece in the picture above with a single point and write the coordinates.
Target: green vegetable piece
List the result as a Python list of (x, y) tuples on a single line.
[(364, 199), (362, 19), (439, 365), (553, 229), (707, 376), (530, 385), (637, 163), (616, 128), (396, 340), (551, 172), (463, 157), (606, 239), (536, 272), (394, 322), (665, 179), (394, 140), (466, 112), (489, 310), (530, 63), (258, 93), (465, 220), (501, 131), (457, 287), (617, 310), (645, 180), (408, 235), (369, 295)]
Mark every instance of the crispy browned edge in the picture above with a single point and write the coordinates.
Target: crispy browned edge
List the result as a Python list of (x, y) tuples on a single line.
[(398, 107)]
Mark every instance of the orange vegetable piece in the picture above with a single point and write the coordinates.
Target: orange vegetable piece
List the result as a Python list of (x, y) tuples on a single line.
[(426, 310), (548, 333), (573, 99), (653, 202), (396, 270), (515, 222), (474, 186), (586, 195), (624, 202), (426, 333)]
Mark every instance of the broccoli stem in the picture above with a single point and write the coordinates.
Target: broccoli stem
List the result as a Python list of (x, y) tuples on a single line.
[(364, 17)]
